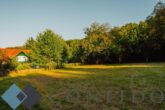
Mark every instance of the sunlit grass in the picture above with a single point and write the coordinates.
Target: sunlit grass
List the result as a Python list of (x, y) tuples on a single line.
[(59, 73), (116, 66), (56, 85)]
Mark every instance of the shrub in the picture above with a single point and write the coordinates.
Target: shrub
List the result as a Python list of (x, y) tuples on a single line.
[(51, 65), (23, 66), (7, 66), (12, 65)]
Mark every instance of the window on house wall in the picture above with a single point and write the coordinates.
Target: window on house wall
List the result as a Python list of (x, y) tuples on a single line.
[(22, 58)]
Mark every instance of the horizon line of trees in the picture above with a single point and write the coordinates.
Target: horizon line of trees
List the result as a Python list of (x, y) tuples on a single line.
[(133, 42)]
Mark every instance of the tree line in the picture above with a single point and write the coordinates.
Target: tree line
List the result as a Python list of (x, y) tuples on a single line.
[(103, 44)]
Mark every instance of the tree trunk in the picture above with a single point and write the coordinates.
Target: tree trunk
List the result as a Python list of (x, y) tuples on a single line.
[(147, 59), (120, 58), (97, 61)]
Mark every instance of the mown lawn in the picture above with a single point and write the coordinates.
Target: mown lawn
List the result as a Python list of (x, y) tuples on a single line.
[(94, 87)]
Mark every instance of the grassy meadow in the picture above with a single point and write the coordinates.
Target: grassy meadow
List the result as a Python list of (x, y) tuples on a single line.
[(94, 87)]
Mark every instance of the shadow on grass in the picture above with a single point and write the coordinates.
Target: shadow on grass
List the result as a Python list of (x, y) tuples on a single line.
[(58, 87)]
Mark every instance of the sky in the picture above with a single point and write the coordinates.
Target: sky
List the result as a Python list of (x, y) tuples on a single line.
[(21, 19)]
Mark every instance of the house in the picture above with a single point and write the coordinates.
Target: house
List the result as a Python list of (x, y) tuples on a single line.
[(20, 54)]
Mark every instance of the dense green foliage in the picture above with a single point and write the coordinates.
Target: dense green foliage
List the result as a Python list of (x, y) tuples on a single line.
[(97, 40), (48, 50), (74, 50), (7, 65)]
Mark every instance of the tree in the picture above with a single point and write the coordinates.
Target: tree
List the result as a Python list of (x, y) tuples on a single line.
[(48, 48), (156, 23), (126, 38), (96, 41), (30, 43), (74, 49), (117, 49), (144, 45)]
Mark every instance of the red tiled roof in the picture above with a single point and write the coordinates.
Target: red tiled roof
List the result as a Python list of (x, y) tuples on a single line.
[(11, 52)]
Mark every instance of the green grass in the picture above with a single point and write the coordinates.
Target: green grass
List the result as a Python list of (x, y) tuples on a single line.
[(97, 87)]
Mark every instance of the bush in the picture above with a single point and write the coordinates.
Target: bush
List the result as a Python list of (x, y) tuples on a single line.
[(23, 66), (7, 66), (12, 65), (51, 65)]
